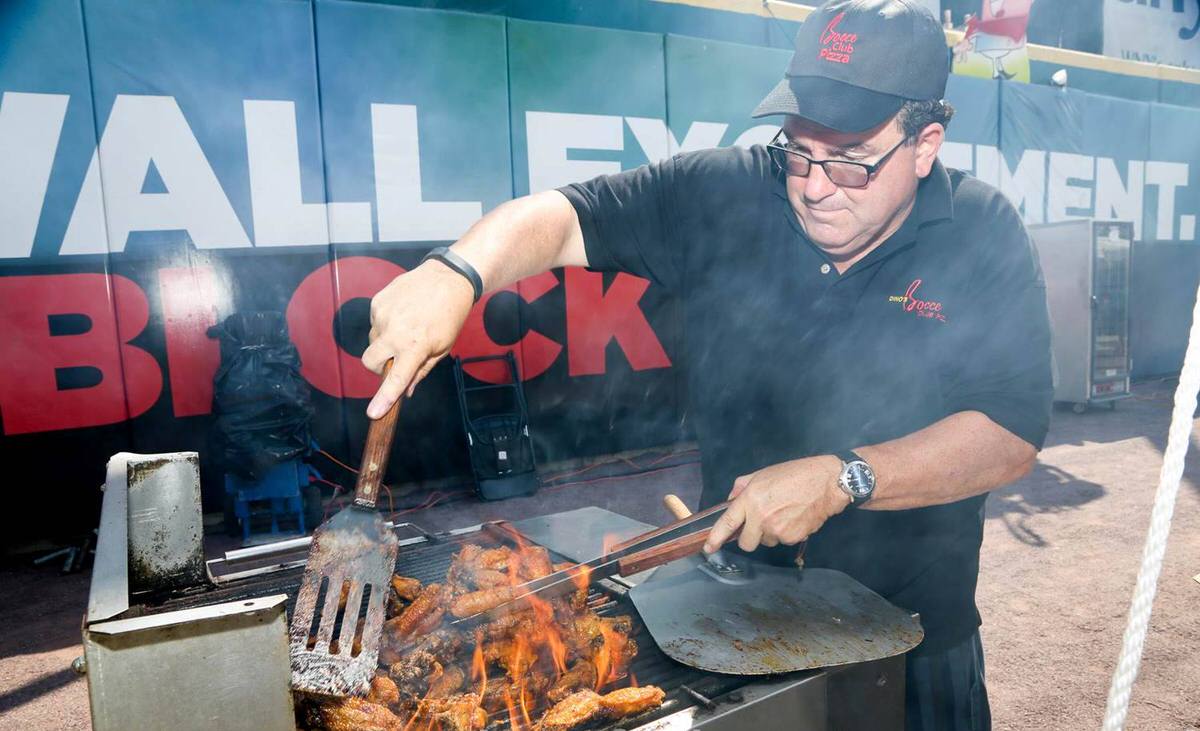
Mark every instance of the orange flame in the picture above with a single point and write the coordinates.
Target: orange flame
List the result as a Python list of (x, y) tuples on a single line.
[(478, 666), (610, 658), (632, 680)]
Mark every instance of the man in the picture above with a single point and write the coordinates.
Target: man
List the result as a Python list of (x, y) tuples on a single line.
[(866, 343)]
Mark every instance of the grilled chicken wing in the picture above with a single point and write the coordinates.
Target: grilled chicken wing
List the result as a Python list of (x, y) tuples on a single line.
[(457, 713), (447, 682), (426, 603), (481, 601), (383, 691), (579, 708), (534, 563), (354, 714), (581, 675), (631, 701), (405, 588)]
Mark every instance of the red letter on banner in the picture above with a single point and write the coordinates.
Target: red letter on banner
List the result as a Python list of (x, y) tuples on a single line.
[(594, 317), (189, 306), (310, 318), (535, 352), (29, 397)]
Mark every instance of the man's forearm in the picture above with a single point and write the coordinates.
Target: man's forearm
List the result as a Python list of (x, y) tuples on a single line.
[(959, 456), (523, 237)]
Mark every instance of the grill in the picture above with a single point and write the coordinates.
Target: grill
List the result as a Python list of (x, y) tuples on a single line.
[(219, 651), (427, 558)]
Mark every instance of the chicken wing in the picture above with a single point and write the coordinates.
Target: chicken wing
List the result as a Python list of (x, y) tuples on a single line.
[(426, 603), (581, 675), (631, 701), (447, 682), (482, 600), (577, 709), (456, 713), (353, 714), (383, 691), (406, 588)]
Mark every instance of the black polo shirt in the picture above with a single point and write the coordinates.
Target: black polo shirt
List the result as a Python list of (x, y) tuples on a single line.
[(785, 358)]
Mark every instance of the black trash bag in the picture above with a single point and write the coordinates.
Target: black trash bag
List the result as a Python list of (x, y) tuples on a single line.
[(263, 406)]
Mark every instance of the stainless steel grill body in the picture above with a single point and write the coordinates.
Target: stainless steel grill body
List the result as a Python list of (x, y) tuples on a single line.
[(850, 698)]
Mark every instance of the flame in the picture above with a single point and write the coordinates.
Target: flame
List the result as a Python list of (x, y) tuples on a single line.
[(524, 707), (610, 658), (609, 540), (632, 680), (514, 721), (583, 576), (478, 666)]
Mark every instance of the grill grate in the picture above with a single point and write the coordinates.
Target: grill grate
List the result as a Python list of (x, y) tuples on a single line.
[(429, 561)]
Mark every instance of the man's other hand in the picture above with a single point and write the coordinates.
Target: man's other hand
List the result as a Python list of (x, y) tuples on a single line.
[(784, 503), (415, 321)]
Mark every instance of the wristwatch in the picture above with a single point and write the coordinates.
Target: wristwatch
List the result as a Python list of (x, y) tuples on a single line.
[(857, 478)]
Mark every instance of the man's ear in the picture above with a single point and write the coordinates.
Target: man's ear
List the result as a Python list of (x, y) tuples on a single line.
[(928, 142)]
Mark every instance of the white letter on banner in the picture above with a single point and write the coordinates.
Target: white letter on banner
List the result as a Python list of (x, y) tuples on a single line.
[(956, 155), (1026, 186), (30, 125), (403, 214), (143, 130), (659, 143), (548, 137), (1115, 199), (1167, 176), (281, 217), (1061, 195)]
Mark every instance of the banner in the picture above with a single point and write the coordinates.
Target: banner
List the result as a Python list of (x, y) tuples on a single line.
[(182, 166), (1153, 31)]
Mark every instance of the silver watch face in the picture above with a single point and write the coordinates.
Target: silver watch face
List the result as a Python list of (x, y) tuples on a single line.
[(858, 479)]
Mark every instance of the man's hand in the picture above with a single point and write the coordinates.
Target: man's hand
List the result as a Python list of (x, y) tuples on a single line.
[(783, 503), (414, 320)]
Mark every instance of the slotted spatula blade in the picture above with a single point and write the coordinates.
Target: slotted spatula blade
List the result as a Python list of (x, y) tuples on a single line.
[(335, 646)]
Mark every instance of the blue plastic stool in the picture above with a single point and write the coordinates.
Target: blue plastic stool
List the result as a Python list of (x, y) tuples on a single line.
[(281, 486)]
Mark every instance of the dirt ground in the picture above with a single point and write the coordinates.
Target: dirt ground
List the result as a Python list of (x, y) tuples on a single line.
[(1061, 552)]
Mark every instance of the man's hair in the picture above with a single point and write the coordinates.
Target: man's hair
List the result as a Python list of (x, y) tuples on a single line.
[(915, 115)]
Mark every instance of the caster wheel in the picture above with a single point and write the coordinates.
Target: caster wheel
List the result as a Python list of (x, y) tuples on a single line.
[(1079, 408)]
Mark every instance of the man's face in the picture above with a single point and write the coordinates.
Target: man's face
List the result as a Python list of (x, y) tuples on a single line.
[(847, 222)]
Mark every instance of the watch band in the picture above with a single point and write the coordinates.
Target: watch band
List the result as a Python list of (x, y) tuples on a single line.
[(848, 455), (458, 264)]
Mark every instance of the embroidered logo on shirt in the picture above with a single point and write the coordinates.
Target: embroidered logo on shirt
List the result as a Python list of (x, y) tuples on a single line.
[(837, 46), (910, 302)]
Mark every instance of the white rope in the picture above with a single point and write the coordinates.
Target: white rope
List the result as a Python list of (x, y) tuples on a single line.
[(1160, 526)]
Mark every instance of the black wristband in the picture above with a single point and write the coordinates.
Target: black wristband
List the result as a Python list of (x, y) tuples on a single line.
[(458, 264)]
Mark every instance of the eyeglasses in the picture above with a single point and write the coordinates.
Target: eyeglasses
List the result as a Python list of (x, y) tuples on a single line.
[(842, 173)]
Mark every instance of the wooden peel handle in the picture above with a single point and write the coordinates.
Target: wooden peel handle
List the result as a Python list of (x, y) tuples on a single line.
[(375, 454), (676, 506), (670, 551)]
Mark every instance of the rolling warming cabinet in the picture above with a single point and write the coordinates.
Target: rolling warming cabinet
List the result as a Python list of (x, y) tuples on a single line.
[(1086, 265)]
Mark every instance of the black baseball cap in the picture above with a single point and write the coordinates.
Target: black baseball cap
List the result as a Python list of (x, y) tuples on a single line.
[(857, 61)]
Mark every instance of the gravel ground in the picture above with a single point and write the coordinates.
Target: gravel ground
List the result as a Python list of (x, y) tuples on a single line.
[(1061, 552)]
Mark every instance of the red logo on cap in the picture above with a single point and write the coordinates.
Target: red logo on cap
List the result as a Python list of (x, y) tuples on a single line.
[(835, 45)]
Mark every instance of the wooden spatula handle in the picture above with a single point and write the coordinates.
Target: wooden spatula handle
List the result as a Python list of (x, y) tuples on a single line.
[(375, 454)]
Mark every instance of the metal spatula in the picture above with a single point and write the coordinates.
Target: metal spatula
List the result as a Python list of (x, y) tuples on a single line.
[(335, 643)]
